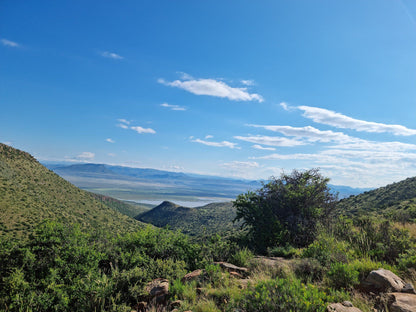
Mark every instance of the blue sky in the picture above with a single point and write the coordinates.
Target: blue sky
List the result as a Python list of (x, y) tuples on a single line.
[(232, 88)]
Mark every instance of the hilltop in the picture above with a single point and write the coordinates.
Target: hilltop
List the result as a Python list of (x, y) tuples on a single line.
[(208, 219), (397, 200), (30, 193)]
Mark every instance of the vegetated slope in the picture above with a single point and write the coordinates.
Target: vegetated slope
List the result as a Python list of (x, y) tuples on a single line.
[(127, 208), (208, 219), (30, 193), (397, 200)]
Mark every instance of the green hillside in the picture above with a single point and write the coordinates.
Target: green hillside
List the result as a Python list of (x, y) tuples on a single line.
[(130, 209), (397, 200), (208, 219), (30, 193)]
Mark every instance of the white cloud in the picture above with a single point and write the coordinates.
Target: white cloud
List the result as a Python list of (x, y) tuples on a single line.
[(217, 144), (213, 87), (241, 164), (173, 107), (331, 118), (124, 121), (259, 147), (124, 126), (9, 43), (285, 106), (141, 130), (310, 133), (86, 156), (247, 82), (109, 140), (209, 136), (111, 55), (271, 141)]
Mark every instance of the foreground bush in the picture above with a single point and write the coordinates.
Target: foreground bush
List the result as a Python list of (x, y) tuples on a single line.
[(282, 295)]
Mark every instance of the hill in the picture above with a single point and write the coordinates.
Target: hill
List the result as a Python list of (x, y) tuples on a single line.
[(397, 200), (30, 193), (208, 219)]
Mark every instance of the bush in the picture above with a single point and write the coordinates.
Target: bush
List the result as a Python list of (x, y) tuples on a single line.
[(282, 295), (287, 251), (342, 275), (309, 270), (242, 257)]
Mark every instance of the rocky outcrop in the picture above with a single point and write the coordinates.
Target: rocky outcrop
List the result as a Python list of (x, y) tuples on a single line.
[(402, 302), (346, 306), (158, 291), (194, 275), (232, 268), (382, 280)]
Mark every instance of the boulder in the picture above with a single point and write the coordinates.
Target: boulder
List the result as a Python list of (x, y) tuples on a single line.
[(408, 288), (382, 280), (232, 268), (236, 275), (194, 275), (158, 287), (346, 306), (402, 302)]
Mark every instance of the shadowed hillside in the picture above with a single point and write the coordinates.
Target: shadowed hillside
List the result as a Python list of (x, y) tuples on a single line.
[(208, 219), (30, 193)]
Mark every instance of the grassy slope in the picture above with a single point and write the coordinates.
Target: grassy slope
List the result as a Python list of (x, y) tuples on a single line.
[(393, 198), (127, 208), (30, 193), (208, 219)]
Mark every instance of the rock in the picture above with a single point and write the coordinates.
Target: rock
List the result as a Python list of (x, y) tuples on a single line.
[(236, 275), (192, 276), (158, 287), (409, 289), (382, 280), (140, 307), (341, 307), (232, 268), (402, 302), (175, 304)]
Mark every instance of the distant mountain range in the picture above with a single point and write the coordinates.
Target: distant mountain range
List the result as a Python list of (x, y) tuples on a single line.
[(147, 184)]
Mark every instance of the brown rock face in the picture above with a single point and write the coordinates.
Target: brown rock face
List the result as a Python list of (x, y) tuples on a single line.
[(192, 276), (346, 306), (402, 302), (232, 268), (382, 280)]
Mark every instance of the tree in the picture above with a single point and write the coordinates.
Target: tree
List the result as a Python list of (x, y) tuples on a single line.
[(286, 209)]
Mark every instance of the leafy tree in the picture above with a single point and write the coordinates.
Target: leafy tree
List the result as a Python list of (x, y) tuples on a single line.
[(286, 209)]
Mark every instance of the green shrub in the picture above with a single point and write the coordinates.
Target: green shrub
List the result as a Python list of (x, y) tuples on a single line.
[(309, 270), (287, 251), (327, 249), (242, 257), (342, 275), (282, 295)]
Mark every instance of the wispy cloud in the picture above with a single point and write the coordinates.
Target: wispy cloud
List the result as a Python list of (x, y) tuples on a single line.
[(209, 136), (259, 147), (241, 164), (109, 140), (112, 55), (125, 124), (212, 87), (124, 121), (9, 43), (270, 140), (216, 144), (338, 120), (247, 82), (86, 156), (309, 133), (141, 130), (173, 107)]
